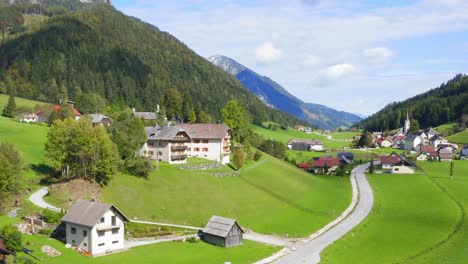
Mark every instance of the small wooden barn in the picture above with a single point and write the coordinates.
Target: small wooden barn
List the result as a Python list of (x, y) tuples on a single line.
[(224, 232)]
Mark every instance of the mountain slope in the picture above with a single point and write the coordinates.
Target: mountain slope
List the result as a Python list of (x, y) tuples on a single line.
[(444, 104), (274, 95), (97, 50)]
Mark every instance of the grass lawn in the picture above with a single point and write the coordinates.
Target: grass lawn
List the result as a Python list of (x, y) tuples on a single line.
[(459, 138), (446, 129), (411, 214), (285, 135), (455, 250), (269, 196), (345, 135), (26, 104), (169, 252)]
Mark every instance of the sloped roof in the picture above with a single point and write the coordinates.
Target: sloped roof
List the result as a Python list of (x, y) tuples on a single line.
[(58, 107), (312, 142), (162, 133), (392, 160), (97, 118), (145, 115), (220, 226), (330, 162), (88, 214), (206, 131), (427, 149)]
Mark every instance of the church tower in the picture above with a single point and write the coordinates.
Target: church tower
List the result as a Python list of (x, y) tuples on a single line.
[(407, 126)]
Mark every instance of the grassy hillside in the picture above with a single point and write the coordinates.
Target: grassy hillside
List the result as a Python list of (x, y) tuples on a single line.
[(411, 215), (459, 138), (269, 196), (446, 129), (454, 250), (21, 103)]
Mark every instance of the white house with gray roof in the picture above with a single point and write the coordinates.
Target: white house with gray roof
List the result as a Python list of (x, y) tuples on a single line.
[(96, 228)]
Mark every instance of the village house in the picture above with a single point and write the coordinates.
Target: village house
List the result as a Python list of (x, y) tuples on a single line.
[(43, 116), (100, 120), (384, 142), (412, 142), (29, 118), (345, 157), (445, 155), (222, 231), (430, 133), (464, 153), (305, 145), (177, 143), (397, 164), (146, 116), (437, 140), (95, 228), (300, 128), (427, 153), (325, 165)]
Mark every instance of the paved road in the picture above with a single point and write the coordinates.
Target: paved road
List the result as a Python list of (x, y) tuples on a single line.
[(37, 198), (309, 252)]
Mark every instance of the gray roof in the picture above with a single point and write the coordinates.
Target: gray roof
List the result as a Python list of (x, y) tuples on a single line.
[(220, 226), (206, 131), (145, 115), (464, 152), (162, 133), (88, 214), (97, 118), (445, 151), (312, 142)]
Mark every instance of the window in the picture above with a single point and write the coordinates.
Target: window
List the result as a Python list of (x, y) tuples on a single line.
[(114, 220), (115, 231), (101, 233), (73, 242), (102, 220), (205, 149), (151, 153), (85, 233), (397, 169), (196, 141), (115, 242), (73, 230), (205, 141), (84, 244), (196, 149), (160, 153), (101, 244), (189, 149)]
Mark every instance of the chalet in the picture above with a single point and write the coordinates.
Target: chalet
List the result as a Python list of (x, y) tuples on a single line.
[(322, 164), (464, 153), (209, 141), (437, 140), (427, 153), (175, 144), (146, 116), (397, 164), (430, 132), (4, 251), (445, 155), (224, 232), (168, 144), (305, 145), (345, 157), (384, 142), (30, 118), (300, 128), (100, 120), (412, 142), (96, 228)]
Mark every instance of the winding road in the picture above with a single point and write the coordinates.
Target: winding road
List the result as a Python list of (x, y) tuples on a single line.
[(306, 251), (309, 251)]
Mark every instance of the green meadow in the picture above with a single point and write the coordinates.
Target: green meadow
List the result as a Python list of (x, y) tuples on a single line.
[(21, 103), (459, 138), (411, 216), (446, 129)]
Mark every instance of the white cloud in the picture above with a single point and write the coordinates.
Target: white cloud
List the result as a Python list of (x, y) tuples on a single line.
[(268, 53), (378, 54), (339, 71)]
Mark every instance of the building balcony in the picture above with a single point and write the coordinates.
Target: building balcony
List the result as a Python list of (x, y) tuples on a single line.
[(181, 139), (178, 157), (178, 148)]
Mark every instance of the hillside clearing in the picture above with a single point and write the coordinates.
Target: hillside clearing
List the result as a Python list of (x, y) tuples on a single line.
[(21, 103), (459, 138), (410, 215)]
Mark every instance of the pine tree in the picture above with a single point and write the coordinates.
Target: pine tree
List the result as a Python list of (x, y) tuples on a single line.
[(371, 167), (10, 108)]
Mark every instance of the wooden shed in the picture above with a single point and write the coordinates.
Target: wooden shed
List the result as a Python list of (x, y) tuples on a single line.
[(224, 232)]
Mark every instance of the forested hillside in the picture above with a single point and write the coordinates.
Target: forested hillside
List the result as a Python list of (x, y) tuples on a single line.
[(445, 104), (96, 53)]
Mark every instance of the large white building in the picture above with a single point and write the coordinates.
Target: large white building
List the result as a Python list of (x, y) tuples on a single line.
[(177, 143), (96, 228)]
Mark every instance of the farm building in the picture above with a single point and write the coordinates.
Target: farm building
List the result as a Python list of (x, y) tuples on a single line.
[(346, 157), (397, 164), (325, 164), (224, 232), (305, 145), (96, 228), (445, 155), (100, 120)]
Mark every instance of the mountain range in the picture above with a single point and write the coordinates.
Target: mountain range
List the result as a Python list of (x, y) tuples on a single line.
[(96, 54), (274, 95)]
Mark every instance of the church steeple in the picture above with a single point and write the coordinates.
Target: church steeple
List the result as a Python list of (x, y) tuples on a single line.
[(407, 126)]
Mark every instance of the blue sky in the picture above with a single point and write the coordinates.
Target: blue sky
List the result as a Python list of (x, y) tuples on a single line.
[(355, 56)]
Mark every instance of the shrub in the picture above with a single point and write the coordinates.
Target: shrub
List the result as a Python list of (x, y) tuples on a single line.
[(258, 155), (52, 217), (192, 239), (12, 237), (46, 231), (139, 166)]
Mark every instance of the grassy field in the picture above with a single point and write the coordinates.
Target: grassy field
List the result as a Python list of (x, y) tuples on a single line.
[(344, 135), (411, 214), (446, 129), (25, 104), (459, 138), (455, 250), (286, 135), (169, 252), (269, 196)]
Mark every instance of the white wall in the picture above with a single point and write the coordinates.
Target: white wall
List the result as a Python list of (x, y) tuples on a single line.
[(402, 170), (108, 237)]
